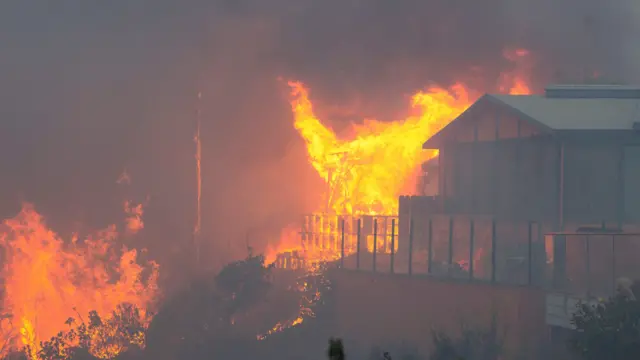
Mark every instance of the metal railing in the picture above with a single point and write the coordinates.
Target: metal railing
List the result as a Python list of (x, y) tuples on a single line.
[(591, 263), (475, 248)]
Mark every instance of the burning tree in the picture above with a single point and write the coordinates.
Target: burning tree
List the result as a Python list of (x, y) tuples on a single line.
[(48, 279), (97, 338)]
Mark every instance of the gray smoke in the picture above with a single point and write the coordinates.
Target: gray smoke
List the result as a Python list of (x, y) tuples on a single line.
[(88, 88)]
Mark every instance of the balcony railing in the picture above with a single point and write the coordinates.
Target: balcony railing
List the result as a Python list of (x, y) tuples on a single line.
[(465, 248)]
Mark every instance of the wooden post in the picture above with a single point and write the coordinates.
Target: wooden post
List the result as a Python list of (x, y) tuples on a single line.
[(450, 259), (358, 244), (621, 190), (588, 266), (411, 245), (613, 263), (530, 253), (393, 244), (375, 242), (471, 247), (430, 247), (493, 250), (342, 244)]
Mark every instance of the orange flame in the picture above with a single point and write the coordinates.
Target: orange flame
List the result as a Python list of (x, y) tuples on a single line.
[(366, 173), (134, 222), (48, 280)]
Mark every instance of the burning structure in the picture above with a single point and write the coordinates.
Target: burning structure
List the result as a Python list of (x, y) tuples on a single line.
[(368, 167), (510, 168)]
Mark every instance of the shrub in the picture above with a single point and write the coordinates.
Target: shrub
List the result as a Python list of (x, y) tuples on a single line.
[(607, 330)]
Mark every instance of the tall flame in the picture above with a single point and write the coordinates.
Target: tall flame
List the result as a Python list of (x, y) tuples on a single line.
[(197, 226), (47, 280), (367, 173)]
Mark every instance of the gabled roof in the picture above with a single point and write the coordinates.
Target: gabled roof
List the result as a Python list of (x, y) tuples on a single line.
[(576, 114), (550, 114)]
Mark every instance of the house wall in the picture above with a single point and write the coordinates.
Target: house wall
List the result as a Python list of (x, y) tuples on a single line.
[(592, 183), (601, 184), (514, 178), (631, 184), (497, 164)]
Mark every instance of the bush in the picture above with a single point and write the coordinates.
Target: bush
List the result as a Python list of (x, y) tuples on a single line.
[(607, 330), (96, 339), (336, 350)]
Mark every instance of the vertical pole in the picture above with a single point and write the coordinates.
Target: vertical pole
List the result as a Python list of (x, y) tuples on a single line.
[(588, 266), (411, 245), (358, 244), (613, 262), (621, 188), (303, 233), (471, 247), (342, 244), (560, 261), (338, 237), (561, 188), (322, 233), (430, 247), (384, 234), (393, 244), (493, 250), (450, 260), (375, 242), (494, 165), (198, 225), (529, 253)]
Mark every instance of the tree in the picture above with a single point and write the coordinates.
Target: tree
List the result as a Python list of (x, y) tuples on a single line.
[(97, 338), (198, 322), (607, 330), (242, 284)]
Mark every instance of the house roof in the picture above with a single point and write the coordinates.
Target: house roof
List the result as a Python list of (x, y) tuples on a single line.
[(576, 114), (552, 114)]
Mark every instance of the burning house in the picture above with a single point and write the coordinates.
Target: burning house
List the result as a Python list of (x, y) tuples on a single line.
[(539, 190), (508, 170), (535, 190)]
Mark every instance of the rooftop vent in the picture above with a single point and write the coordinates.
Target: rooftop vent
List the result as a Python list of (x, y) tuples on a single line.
[(592, 92)]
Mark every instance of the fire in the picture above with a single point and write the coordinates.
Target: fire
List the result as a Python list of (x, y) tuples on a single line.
[(366, 173), (516, 82), (289, 241), (47, 280), (134, 220)]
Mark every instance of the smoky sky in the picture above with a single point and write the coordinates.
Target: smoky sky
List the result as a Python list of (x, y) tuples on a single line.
[(90, 88)]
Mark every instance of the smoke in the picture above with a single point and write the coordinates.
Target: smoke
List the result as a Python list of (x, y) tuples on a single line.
[(91, 88)]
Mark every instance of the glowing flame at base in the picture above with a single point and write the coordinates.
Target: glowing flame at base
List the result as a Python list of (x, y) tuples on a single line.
[(367, 171), (310, 286), (47, 280)]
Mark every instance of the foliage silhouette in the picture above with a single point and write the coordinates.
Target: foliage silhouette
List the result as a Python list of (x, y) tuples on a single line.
[(607, 330), (192, 324), (198, 322), (97, 338), (336, 349)]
